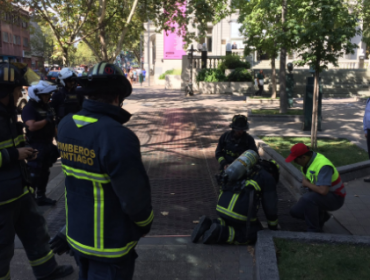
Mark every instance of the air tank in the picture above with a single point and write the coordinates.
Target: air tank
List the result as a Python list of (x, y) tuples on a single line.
[(242, 165)]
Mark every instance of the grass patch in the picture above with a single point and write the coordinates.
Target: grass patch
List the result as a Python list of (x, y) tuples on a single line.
[(169, 72), (321, 261), (262, 97), (339, 151), (276, 112)]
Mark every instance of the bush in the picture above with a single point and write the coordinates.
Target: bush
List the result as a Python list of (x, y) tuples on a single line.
[(170, 72), (211, 75), (240, 75), (233, 62)]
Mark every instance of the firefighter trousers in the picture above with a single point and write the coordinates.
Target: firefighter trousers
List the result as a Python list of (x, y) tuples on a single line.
[(91, 269), (21, 217), (233, 233)]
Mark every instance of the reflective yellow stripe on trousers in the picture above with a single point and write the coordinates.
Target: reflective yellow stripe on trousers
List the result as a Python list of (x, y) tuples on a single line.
[(42, 260), (25, 191)]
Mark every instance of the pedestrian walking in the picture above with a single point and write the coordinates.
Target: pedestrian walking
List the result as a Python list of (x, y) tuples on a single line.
[(39, 119), (108, 197), (326, 191), (144, 74), (140, 75), (233, 143), (134, 74), (18, 210), (260, 77), (67, 99), (367, 129)]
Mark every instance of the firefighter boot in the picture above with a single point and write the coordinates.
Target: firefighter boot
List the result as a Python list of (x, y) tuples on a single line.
[(216, 234), (60, 272), (204, 224)]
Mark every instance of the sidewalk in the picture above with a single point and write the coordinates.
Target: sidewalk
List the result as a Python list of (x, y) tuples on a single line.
[(178, 137)]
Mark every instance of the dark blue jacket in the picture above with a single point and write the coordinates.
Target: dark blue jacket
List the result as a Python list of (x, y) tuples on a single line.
[(13, 173), (65, 102), (108, 198)]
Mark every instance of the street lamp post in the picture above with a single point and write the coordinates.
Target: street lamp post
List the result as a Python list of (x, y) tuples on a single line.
[(190, 57)]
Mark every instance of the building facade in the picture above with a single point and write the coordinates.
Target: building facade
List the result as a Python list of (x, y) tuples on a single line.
[(15, 43), (223, 36)]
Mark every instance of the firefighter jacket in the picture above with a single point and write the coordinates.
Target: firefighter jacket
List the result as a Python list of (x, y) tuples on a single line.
[(233, 204), (65, 102), (230, 148), (13, 172), (108, 197), (313, 170), (45, 134)]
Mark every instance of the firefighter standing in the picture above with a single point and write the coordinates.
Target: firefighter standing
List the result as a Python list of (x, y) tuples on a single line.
[(40, 131), (233, 143), (68, 99), (326, 189), (18, 211), (260, 181), (108, 197)]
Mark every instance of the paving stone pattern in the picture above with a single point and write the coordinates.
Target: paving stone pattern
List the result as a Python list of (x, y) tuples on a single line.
[(178, 147)]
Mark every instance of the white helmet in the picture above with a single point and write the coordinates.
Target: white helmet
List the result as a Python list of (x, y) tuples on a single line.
[(65, 73), (42, 87)]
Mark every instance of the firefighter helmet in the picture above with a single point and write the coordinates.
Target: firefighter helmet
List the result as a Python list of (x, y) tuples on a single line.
[(103, 75), (15, 74), (239, 122)]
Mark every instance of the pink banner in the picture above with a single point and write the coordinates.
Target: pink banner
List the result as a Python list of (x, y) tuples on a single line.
[(173, 43)]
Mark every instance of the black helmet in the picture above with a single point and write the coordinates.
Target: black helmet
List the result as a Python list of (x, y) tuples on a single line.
[(103, 75), (239, 122), (15, 74)]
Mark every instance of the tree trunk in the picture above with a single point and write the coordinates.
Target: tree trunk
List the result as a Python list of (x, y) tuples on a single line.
[(315, 105), (282, 76), (273, 77), (65, 58)]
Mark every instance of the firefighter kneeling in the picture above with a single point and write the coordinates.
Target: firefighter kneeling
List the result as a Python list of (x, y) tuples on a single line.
[(245, 183)]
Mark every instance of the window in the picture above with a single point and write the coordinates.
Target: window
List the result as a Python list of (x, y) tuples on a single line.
[(25, 42), (14, 39), (24, 24), (18, 40), (5, 37), (209, 44)]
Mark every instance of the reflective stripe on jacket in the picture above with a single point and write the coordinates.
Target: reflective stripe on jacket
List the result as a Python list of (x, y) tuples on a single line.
[(313, 170), (233, 206), (12, 171), (108, 203)]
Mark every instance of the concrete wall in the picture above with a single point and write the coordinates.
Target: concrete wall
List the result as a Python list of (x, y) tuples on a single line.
[(336, 82)]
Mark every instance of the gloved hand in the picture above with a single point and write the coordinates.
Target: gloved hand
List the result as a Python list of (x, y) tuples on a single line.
[(59, 243), (223, 164)]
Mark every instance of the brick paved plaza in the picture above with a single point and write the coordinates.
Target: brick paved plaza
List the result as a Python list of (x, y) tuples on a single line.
[(178, 138)]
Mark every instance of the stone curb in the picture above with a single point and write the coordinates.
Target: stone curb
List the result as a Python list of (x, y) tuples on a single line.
[(249, 100), (266, 261), (275, 118)]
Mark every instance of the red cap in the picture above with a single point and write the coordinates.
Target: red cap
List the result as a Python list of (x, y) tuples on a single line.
[(296, 151)]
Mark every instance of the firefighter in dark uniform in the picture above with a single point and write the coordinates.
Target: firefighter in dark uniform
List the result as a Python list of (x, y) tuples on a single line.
[(108, 196), (233, 143), (233, 207), (39, 119), (18, 210), (68, 99)]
